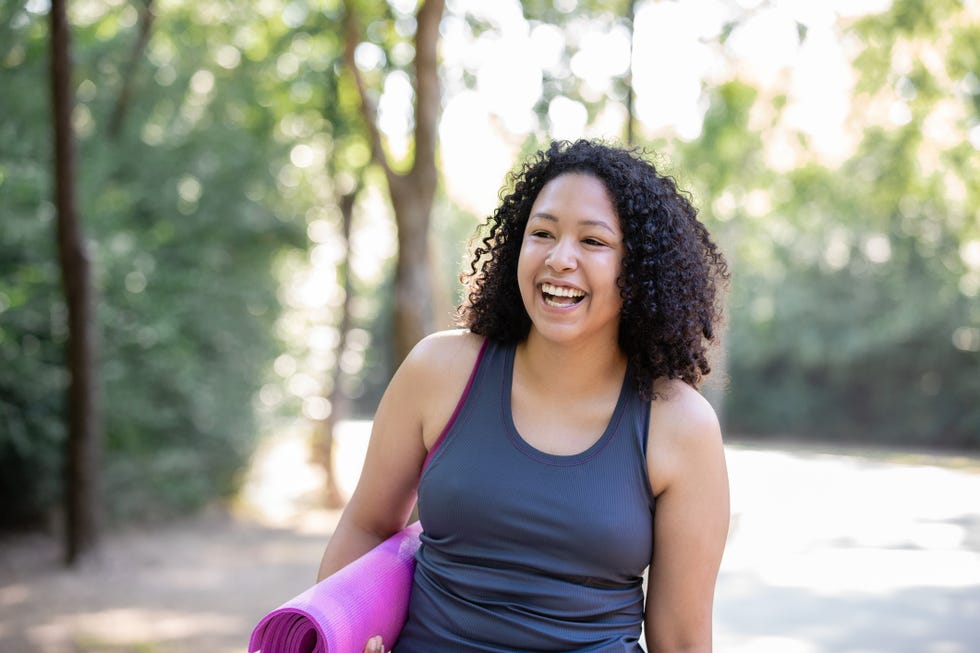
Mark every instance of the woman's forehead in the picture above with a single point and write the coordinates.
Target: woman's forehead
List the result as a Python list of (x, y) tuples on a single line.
[(580, 197)]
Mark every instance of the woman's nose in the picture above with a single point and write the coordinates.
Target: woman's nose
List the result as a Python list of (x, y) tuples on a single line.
[(561, 257)]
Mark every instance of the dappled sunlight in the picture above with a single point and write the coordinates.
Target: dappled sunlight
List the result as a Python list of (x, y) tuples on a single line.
[(832, 156), (283, 482), (284, 486), (473, 181), (511, 61)]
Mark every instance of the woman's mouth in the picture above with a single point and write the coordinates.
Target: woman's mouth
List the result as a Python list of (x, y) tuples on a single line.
[(561, 296)]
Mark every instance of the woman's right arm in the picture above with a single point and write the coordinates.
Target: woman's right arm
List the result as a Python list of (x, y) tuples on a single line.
[(415, 407), (385, 492)]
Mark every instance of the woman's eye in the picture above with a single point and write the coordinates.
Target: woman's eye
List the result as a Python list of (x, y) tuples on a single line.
[(540, 234), (593, 241)]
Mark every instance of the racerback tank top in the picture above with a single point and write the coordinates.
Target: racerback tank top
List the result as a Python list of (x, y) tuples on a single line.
[(524, 550)]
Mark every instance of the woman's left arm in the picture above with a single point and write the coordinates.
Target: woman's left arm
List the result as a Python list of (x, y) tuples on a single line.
[(686, 463)]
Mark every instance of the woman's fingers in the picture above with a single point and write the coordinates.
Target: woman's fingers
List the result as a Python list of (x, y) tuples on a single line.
[(375, 645)]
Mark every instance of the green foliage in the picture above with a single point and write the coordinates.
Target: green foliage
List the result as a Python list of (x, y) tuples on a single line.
[(32, 333), (854, 307), (854, 310), (32, 375), (184, 218)]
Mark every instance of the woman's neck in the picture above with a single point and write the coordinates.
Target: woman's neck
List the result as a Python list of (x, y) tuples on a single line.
[(570, 369)]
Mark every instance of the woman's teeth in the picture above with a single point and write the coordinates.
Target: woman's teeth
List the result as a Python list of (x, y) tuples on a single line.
[(561, 296)]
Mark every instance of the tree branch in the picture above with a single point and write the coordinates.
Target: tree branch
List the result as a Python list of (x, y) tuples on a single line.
[(139, 47), (352, 37), (427, 86)]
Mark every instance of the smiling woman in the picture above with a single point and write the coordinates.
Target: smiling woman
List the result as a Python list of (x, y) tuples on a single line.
[(570, 259), (671, 268), (538, 439)]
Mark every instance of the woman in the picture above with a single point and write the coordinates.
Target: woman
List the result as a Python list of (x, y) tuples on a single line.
[(557, 445)]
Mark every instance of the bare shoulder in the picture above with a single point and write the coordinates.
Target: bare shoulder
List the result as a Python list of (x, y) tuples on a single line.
[(684, 434), (682, 409), (436, 371), (444, 355)]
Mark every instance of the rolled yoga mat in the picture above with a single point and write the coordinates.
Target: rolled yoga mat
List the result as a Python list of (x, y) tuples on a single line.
[(339, 614)]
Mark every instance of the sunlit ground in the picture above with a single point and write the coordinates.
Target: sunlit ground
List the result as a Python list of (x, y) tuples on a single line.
[(845, 554), (829, 553)]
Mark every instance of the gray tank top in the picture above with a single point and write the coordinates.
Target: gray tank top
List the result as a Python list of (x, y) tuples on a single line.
[(524, 550)]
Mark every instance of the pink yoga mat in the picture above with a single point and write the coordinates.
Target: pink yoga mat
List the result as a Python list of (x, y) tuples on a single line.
[(340, 613)]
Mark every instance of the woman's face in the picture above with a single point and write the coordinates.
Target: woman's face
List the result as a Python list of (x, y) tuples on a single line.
[(570, 260)]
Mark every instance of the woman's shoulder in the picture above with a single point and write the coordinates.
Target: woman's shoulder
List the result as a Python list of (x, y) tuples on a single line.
[(437, 369), (445, 351), (434, 377), (683, 430), (681, 407)]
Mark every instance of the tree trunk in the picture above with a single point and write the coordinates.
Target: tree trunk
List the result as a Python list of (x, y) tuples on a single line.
[(324, 429), (413, 193), (83, 506), (414, 309)]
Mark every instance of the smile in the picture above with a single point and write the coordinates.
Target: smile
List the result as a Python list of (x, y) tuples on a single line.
[(560, 296)]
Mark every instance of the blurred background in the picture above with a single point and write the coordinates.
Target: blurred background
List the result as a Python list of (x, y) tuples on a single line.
[(274, 198)]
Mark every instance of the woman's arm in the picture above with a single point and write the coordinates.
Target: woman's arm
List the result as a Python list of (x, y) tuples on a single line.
[(686, 463), (412, 413)]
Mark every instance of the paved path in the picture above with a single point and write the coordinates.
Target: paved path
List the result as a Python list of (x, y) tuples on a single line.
[(844, 554), (828, 554)]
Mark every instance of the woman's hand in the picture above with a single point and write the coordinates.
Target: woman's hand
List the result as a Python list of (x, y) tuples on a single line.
[(374, 645)]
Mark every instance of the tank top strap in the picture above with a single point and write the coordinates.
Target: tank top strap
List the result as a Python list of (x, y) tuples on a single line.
[(459, 404)]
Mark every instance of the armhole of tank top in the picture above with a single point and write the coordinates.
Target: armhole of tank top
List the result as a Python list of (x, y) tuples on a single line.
[(644, 445), (459, 406)]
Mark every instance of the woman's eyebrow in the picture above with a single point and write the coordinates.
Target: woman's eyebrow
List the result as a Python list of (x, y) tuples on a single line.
[(544, 216), (587, 222)]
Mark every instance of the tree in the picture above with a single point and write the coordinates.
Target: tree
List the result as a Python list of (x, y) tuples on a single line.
[(854, 304), (412, 193), (324, 429), (82, 489), (189, 210)]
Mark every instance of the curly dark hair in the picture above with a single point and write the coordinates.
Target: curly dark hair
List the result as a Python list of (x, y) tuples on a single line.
[(672, 272)]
